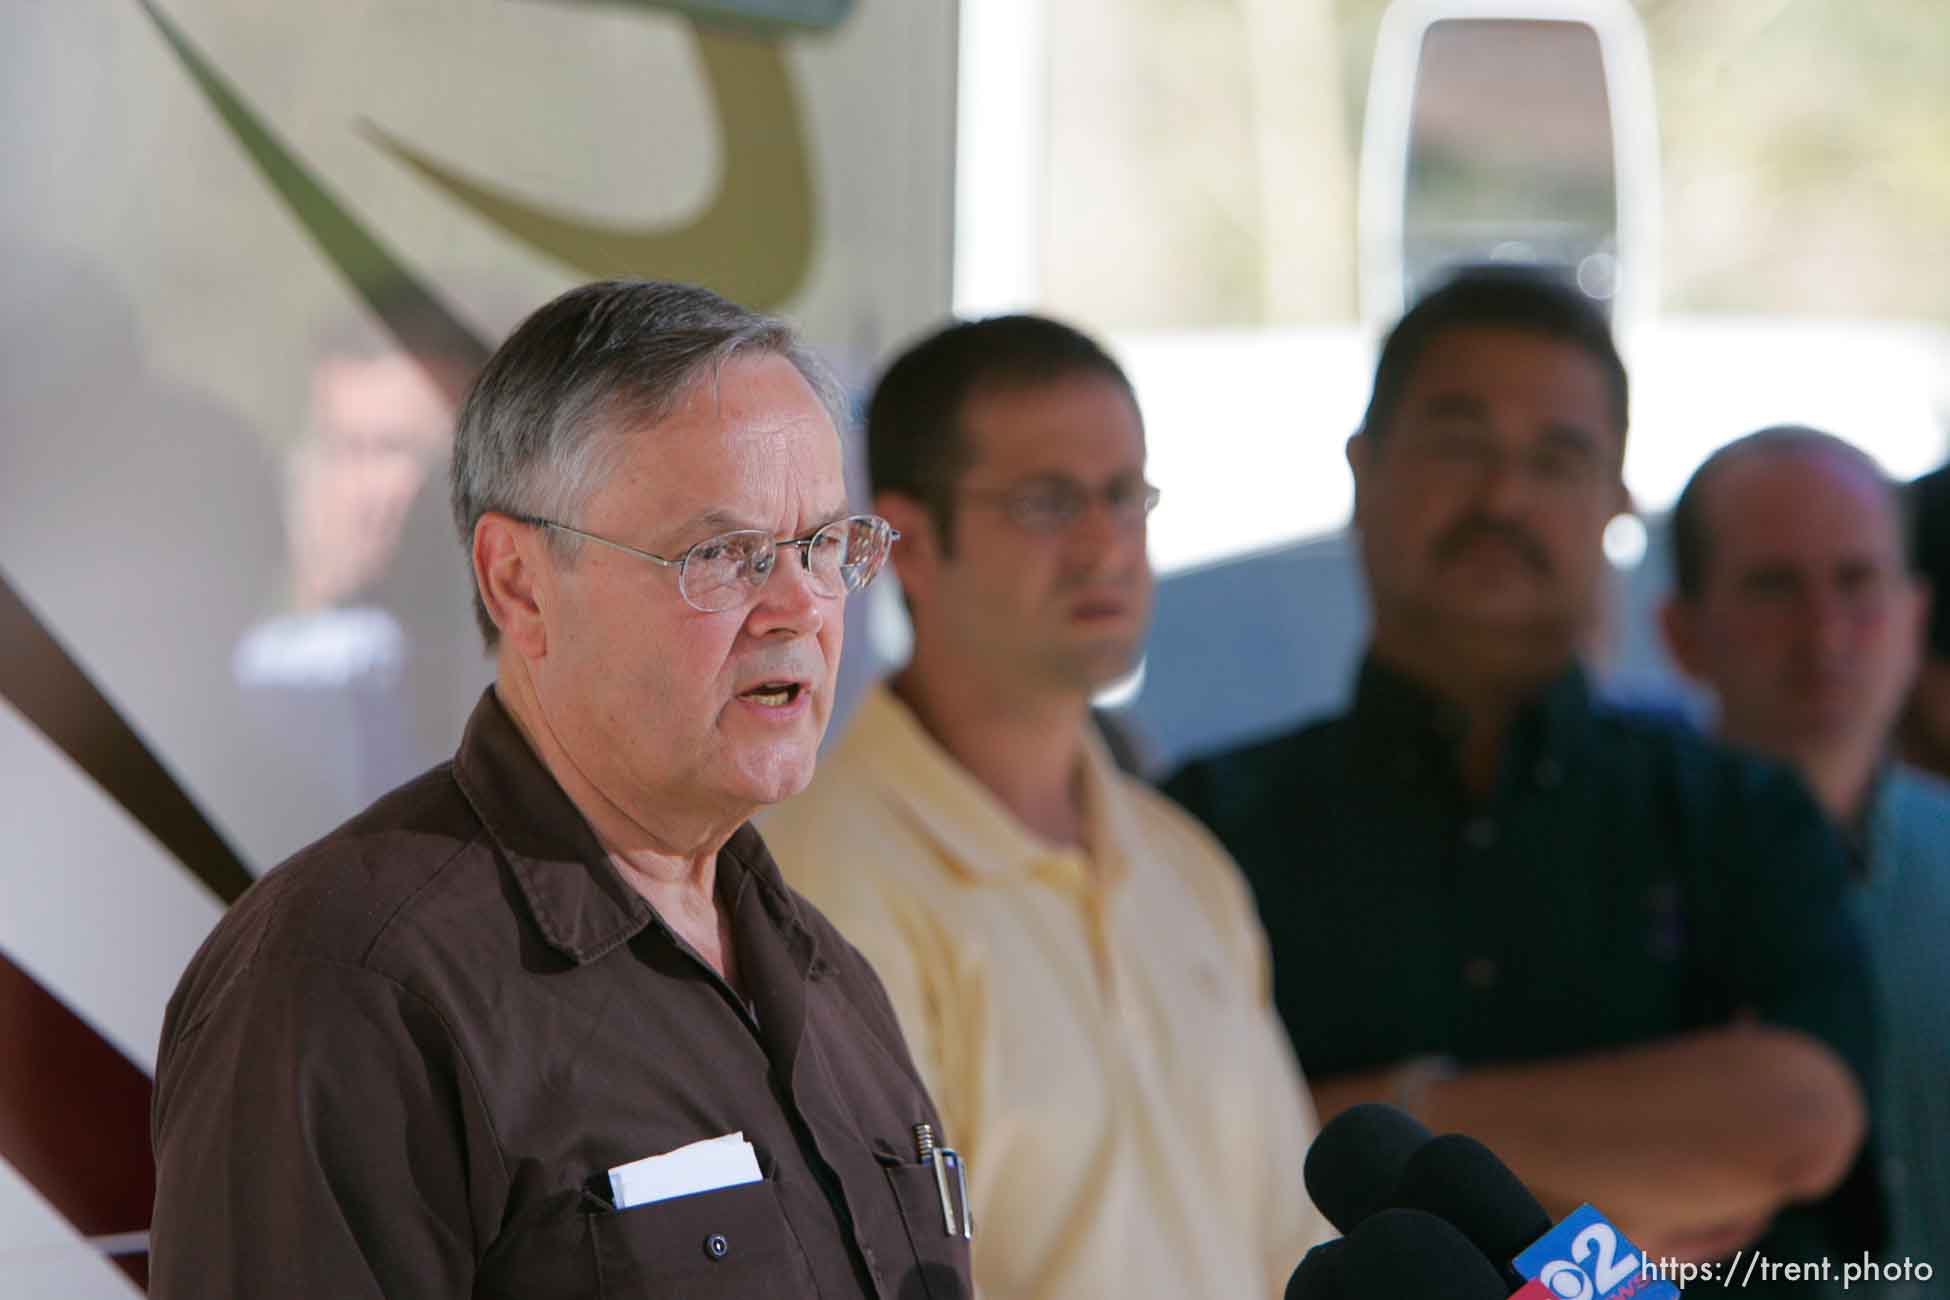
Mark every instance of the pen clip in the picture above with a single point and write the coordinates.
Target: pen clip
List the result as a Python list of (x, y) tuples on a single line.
[(943, 1158)]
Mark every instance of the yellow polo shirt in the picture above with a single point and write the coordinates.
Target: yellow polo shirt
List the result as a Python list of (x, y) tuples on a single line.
[(1096, 1031)]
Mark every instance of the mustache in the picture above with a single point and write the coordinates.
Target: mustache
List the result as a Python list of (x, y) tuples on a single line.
[(1474, 528)]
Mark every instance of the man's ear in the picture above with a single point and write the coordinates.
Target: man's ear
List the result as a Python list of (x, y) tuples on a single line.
[(1923, 597), (509, 571), (917, 555), (1919, 598), (1679, 623)]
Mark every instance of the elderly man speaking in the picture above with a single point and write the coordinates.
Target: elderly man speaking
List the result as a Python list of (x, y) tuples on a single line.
[(546, 1021)]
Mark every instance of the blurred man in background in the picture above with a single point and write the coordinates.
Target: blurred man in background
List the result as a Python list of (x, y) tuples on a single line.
[(1076, 962), (355, 656), (1925, 731), (1795, 604), (1603, 946)]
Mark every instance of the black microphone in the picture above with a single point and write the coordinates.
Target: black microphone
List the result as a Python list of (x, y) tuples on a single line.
[(1405, 1253), (1357, 1158), (1317, 1276), (1407, 1200), (1458, 1179)]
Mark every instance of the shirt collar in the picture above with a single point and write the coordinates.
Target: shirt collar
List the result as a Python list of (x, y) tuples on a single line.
[(1868, 838), (1402, 721), (980, 837), (578, 900)]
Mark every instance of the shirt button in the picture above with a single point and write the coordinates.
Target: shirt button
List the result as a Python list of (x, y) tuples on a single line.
[(1479, 973), (716, 1247), (1480, 833), (1065, 872)]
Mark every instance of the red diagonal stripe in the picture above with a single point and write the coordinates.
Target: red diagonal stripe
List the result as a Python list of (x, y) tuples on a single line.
[(74, 1116)]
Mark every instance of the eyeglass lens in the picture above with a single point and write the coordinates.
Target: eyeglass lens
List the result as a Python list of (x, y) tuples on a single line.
[(844, 556), (1055, 504)]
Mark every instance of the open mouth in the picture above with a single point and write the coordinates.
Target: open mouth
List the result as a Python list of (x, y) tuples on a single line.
[(773, 694)]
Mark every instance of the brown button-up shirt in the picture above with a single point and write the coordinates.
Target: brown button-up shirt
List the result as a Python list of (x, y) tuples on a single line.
[(404, 1062)]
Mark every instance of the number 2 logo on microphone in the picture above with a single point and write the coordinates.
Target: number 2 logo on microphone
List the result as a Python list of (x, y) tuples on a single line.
[(1585, 1258)]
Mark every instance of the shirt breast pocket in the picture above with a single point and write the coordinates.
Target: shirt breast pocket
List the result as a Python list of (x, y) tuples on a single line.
[(941, 1259), (732, 1242)]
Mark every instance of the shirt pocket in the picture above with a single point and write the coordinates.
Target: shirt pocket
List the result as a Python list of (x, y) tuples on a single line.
[(732, 1242), (941, 1260)]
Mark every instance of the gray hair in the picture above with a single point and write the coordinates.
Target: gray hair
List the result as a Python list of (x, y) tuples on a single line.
[(546, 420)]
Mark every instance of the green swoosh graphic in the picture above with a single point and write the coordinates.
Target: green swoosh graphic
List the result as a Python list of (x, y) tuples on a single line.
[(753, 243), (755, 15), (425, 328)]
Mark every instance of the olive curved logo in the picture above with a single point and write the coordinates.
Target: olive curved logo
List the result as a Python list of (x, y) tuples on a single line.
[(754, 241)]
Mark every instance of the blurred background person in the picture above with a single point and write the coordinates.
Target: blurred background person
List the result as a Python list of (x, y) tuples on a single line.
[(378, 429), (356, 658), (1076, 963), (1925, 728), (1795, 604), (1607, 948)]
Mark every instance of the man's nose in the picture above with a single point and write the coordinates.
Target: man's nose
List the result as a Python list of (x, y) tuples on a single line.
[(787, 602), (1832, 616), (1103, 536), (1503, 484)]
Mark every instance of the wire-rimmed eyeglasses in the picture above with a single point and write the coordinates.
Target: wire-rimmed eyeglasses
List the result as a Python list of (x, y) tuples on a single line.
[(727, 570), (1051, 505)]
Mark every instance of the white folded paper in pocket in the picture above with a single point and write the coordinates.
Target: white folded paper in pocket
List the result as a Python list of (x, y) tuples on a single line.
[(700, 1167)]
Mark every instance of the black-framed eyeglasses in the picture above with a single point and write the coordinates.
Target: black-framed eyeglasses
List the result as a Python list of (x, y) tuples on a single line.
[(727, 570), (1051, 505)]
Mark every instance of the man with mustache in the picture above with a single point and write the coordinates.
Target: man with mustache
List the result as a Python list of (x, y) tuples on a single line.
[(1076, 962), (1795, 604), (1613, 952), (424, 1056)]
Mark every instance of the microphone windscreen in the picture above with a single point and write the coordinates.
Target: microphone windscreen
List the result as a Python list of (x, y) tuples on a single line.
[(1357, 1158), (1317, 1277), (1457, 1178), (1411, 1254)]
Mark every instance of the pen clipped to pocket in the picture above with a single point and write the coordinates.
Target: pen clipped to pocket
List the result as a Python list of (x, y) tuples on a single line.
[(950, 1179)]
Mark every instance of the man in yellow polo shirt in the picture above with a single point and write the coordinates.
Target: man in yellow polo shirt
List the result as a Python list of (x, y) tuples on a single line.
[(1076, 963)]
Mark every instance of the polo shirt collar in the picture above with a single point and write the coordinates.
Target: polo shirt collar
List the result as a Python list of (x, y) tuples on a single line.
[(1871, 838), (576, 897), (982, 839)]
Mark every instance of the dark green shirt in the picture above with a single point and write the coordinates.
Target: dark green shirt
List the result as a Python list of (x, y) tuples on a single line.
[(1626, 880)]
